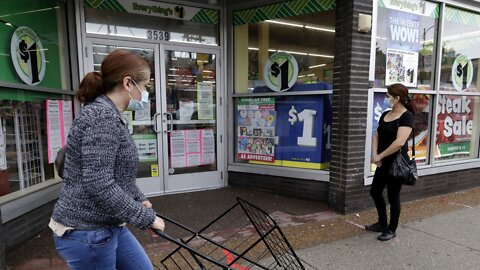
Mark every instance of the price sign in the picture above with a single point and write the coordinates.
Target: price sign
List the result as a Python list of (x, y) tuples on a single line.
[(158, 35), (462, 72), (280, 72)]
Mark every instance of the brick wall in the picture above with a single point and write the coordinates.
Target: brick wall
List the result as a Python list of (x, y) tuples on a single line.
[(27, 226), (307, 189), (350, 96)]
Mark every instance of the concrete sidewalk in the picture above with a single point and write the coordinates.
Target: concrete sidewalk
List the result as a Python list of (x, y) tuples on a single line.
[(435, 233), (447, 241)]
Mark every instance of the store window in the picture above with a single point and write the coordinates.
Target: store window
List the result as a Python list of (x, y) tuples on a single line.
[(33, 124), (33, 43), (458, 119), (421, 128), (166, 22), (406, 44), (282, 84), (453, 105), (460, 54)]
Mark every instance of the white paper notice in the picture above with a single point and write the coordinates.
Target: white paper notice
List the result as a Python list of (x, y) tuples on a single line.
[(205, 101), (54, 131), (67, 119), (186, 110), (3, 156), (3, 159), (143, 114), (146, 146), (193, 159), (2, 134), (208, 146), (177, 149)]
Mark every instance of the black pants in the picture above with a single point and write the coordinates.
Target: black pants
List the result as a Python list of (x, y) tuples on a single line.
[(380, 181)]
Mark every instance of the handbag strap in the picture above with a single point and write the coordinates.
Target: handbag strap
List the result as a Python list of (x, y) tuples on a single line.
[(413, 137)]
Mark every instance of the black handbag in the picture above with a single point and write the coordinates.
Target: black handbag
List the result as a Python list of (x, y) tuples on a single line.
[(405, 170)]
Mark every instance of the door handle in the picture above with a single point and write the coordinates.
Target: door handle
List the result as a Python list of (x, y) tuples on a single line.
[(155, 124), (168, 119)]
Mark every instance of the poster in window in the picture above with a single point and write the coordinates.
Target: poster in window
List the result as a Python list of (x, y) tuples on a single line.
[(403, 46), (54, 128), (455, 124), (256, 129), (190, 148), (205, 100), (3, 157), (303, 129)]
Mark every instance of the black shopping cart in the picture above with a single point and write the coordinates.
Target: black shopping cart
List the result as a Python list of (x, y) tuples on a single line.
[(243, 238)]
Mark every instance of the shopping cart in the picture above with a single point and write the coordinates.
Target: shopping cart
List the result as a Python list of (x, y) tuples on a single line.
[(243, 238)]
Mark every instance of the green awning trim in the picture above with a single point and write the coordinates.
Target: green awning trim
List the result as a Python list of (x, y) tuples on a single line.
[(208, 16), (282, 10), (26, 95), (111, 5), (460, 16)]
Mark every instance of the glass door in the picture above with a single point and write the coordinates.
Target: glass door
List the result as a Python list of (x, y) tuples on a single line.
[(190, 121), (140, 123)]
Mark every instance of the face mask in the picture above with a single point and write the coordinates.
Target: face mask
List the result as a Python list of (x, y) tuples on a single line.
[(135, 105), (387, 103)]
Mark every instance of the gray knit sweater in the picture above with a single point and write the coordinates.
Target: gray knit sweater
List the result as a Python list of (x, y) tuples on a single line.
[(101, 162)]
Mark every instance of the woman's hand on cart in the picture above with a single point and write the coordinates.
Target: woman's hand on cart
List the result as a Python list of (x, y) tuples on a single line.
[(159, 224)]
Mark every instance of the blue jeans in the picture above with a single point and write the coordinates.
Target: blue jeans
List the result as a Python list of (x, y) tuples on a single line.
[(102, 249)]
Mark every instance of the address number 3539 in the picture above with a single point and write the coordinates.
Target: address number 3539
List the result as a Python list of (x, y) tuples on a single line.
[(158, 35)]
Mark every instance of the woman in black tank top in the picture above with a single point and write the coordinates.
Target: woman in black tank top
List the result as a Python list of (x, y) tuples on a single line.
[(394, 128)]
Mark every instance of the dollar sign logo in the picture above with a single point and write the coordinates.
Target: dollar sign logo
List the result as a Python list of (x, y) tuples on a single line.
[(23, 50), (274, 69), (459, 70), (293, 116)]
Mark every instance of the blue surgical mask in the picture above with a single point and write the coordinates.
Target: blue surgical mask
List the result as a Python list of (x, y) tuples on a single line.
[(135, 105), (386, 103)]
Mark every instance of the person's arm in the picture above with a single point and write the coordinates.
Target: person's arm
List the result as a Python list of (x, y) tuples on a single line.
[(375, 157), (99, 148), (402, 136)]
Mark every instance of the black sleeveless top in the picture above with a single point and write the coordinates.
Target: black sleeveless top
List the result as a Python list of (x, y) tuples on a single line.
[(387, 134)]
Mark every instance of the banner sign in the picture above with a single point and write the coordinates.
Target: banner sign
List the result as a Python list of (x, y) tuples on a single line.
[(454, 125), (256, 129), (403, 47)]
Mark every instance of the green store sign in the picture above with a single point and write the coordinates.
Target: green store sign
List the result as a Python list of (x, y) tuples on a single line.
[(30, 45)]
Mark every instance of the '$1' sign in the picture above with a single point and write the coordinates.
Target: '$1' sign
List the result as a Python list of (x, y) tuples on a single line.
[(307, 117)]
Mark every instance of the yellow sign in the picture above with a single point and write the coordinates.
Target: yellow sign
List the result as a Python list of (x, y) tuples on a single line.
[(154, 169)]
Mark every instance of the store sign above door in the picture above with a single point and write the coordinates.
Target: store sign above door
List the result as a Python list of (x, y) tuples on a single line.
[(158, 9), (280, 71), (28, 56)]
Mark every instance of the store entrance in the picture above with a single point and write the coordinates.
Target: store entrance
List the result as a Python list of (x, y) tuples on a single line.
[(178, 134)]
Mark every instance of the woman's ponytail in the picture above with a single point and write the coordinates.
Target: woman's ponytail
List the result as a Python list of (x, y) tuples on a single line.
[(91, 87)]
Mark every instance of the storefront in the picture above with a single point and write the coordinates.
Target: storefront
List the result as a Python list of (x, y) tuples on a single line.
[(282, 96)]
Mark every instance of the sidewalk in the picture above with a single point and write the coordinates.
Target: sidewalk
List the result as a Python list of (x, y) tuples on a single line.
[(435, 232)]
